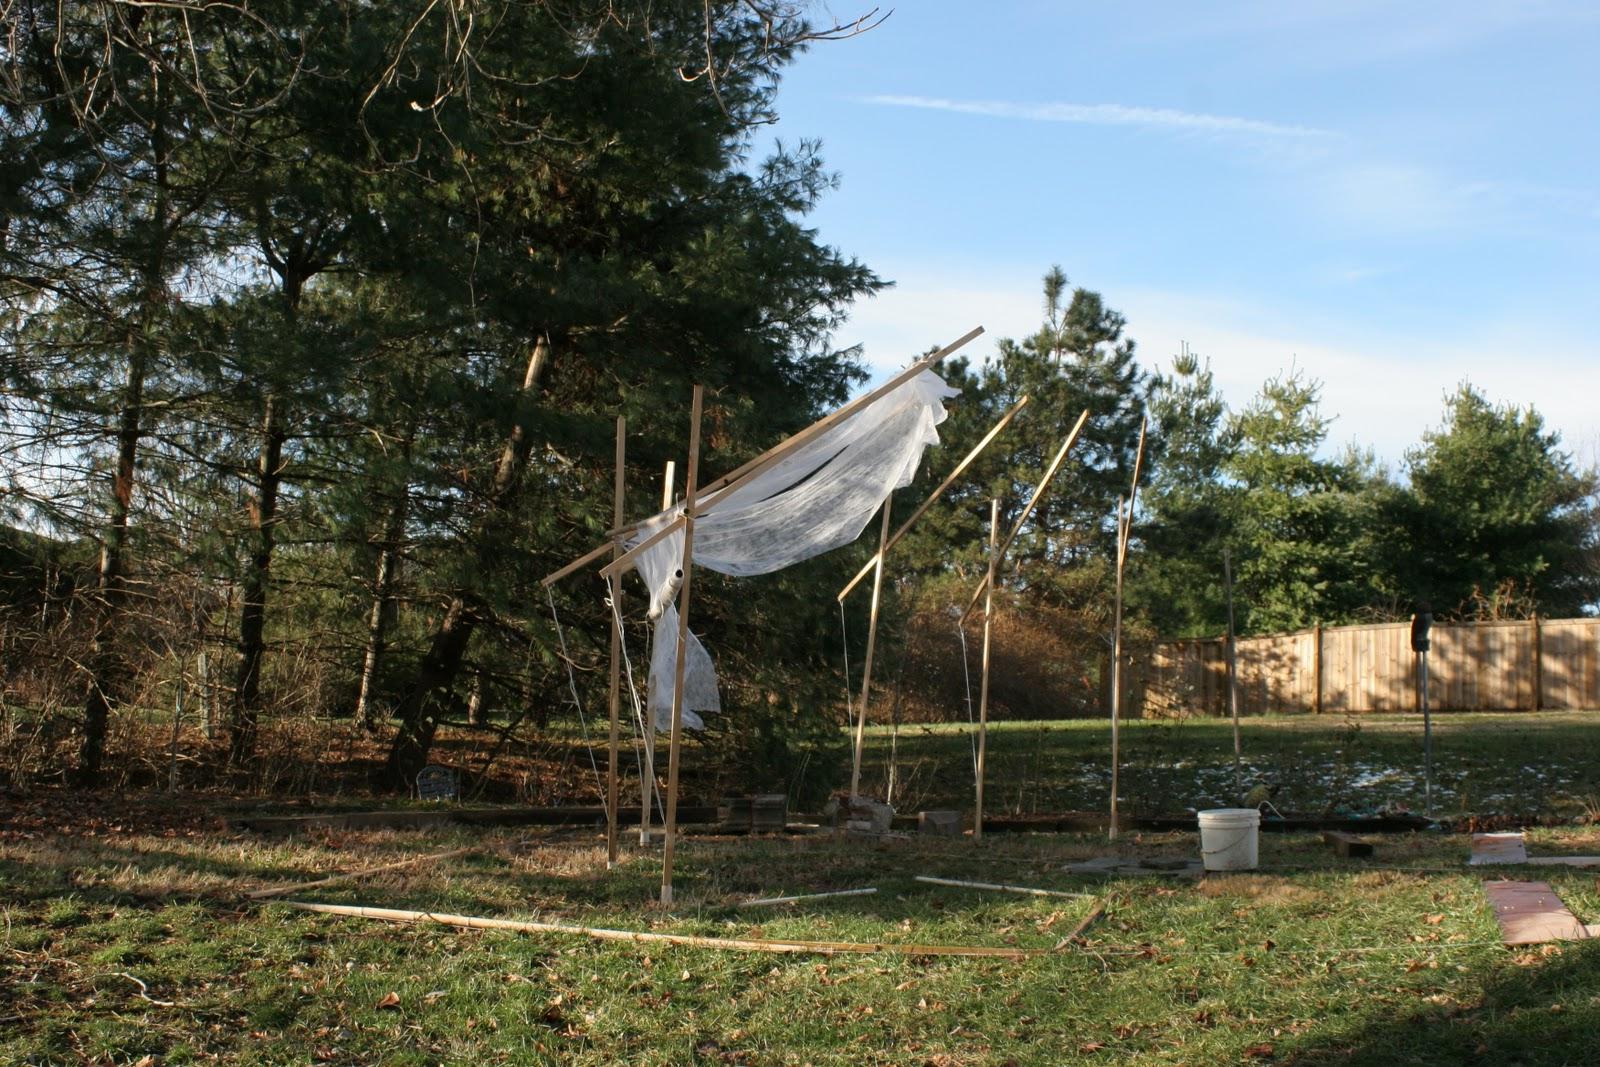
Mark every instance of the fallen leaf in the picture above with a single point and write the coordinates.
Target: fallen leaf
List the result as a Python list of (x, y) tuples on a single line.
[(390, 1000)]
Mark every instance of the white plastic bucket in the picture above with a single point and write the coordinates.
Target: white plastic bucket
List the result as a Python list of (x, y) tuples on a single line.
[(1228, 838)]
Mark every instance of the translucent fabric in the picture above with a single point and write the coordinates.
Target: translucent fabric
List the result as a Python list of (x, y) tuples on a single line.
[(817, 498)]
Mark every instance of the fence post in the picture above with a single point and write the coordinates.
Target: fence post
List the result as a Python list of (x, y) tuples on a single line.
[(1538, 664), (1316, 668)]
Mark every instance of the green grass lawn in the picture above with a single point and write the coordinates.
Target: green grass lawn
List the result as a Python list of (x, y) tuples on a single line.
[(1545, 764), (133, 946), (124, 937)]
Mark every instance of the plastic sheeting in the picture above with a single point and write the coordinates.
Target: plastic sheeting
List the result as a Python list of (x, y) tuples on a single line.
[(817, 498)]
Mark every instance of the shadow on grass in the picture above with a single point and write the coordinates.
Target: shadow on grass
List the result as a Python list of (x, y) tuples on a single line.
[(1545, 1012)]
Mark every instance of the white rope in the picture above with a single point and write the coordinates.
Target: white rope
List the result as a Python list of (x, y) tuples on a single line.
[(972, 739), (583, 723), (640, 730)]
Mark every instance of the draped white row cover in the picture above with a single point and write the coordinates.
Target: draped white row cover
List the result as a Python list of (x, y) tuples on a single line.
[(817, 498)]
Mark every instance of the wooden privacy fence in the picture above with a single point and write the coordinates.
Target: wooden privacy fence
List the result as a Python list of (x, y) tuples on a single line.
[(1524, 665)]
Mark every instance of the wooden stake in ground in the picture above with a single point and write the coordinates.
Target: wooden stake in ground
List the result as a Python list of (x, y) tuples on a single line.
[(618, 490), (872, 640), (983, 684), (676, 740), (1233, 683), (647, 775), (1124, 528)]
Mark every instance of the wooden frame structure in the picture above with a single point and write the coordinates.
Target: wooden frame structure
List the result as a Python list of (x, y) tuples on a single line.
[(696, 500)]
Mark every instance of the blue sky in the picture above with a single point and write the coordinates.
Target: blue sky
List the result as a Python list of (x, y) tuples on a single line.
[(1393, 197)]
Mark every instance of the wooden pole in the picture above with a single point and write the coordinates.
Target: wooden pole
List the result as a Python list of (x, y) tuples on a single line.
[(295, 887), (1233, 682), (872, 641), (618, 491), (1316, 667), (900, 532), (676, 741), (729, 482), (983, 685), (1538, 665), (1038, 492), (1124, 528), (624, 561), (999, 887), (647, 778), (1116, 670), (822, 948)]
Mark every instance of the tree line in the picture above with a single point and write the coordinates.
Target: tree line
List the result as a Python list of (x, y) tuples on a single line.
[(1487, 516), (317, 318)]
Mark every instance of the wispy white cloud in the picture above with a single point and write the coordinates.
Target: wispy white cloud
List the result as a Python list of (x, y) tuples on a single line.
[(1382, 390), (1108, 115)]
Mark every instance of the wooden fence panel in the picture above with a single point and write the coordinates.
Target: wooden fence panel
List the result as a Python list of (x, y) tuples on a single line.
[(1570, 663), (1276, 674), (1514, 665)]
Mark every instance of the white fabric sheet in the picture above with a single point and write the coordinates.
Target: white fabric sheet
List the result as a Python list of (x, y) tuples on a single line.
[(818, 498)]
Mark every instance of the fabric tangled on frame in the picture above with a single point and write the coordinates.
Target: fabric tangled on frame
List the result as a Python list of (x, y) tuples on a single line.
[(817, 498)]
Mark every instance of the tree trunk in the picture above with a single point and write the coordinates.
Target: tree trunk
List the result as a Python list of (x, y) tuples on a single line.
[(419, 710), (424, 703), (382, 613), (253, 605), (110, 589)]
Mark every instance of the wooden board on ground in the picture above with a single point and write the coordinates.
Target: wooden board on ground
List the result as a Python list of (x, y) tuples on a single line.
[(1347, 845), (1497, 848), (1530, 912), (401, 820), (1489, 849)]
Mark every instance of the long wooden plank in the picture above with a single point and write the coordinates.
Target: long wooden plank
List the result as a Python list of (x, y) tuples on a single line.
[(729, 482), (872, 642), (675, 741), (933, 497), (823, 948), (350, 876), (624, 561), (744, 473), (980, 766), (614, 740), (1033, 501)]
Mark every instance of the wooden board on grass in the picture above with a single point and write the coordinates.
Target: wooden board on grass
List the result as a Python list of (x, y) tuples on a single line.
[(1530, 912)]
